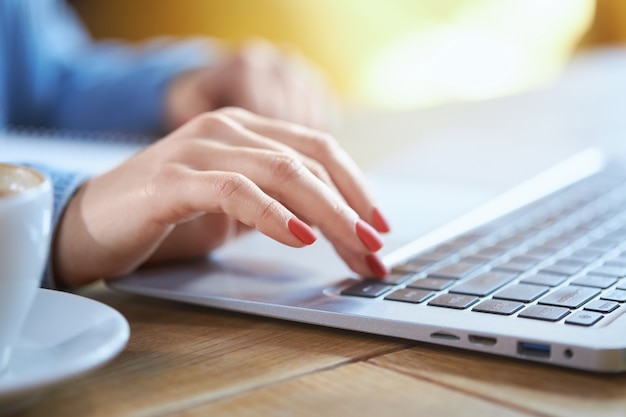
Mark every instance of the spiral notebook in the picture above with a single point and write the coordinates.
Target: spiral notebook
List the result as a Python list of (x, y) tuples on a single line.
[(88, 152)]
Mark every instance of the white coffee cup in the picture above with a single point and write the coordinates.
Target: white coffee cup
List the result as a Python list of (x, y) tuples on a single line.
[(25, 215)]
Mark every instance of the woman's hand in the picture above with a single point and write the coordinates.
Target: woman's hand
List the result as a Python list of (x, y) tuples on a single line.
[(217, 176), (260, 78)]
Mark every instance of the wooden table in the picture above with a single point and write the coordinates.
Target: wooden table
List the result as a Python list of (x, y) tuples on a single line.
[(195, 361)]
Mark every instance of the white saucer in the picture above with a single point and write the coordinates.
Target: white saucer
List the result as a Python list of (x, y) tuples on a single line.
[(65, 335)]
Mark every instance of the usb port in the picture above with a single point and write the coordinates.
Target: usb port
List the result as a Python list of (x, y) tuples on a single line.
[(533, 350), (482, 340)]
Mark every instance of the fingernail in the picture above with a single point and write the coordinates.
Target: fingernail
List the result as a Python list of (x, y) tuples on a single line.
[(301, 230), (368, 236), (376, 265), (379, 221)]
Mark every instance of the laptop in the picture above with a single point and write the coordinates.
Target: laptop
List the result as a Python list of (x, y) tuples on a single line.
[(508, 236), (537, 273)]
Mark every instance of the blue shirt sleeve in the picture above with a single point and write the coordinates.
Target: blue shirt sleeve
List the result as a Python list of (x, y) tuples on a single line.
[(53, 75), (65, 185), (56, 76)]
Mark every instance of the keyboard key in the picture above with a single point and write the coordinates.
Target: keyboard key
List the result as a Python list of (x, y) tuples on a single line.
[(602, 244), (397, 277), (474, 260), (586, 255), (618, 236), (510, 242), (602, 306), (487, 254), (502, 307), (570, 296), (548, 313), (518, 264), (484, 284), (620, 257), (611, 270), (367, 289), (591, 225), (571, 260), (562, 268), (584, 318), (525, 293), (574, 235), (410, 295), (616, 262), (413, 266), (540, 252), (433, 284), (435, 255), (615, 295), (551, 280), (456, 301), (467, 239), (458, 270), (594, 281), (557, 243), (448, 247)]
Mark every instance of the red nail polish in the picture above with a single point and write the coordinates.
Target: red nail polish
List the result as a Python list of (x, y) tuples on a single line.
[(376, 265), (379, 221), (368, 236), (301, 230)]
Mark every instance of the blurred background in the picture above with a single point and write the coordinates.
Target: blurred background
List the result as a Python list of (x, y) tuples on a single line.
[(390, 54)]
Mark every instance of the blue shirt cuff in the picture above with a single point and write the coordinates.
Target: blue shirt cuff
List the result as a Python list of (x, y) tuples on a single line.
[(65, 185)]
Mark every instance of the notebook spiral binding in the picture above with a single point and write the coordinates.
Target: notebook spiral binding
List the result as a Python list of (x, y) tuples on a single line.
[(77, 135), (81, 151)]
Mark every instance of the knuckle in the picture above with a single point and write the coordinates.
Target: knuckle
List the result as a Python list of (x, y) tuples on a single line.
[(233, 112), (164, 175), (268, 212), (285, 167), (212, 122), (244, 62), (246, 57), (255, 52), (323, 144), (164, 179), (230, 185), (186, 149), (319, 171)]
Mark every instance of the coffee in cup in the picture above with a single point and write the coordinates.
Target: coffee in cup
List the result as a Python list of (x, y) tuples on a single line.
[(25, 229)]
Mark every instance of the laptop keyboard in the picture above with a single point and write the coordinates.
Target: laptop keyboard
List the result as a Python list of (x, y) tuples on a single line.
[(560, 259)]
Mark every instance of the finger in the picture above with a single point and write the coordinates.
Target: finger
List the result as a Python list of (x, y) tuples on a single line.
[(292, 90), (196, 238), (219, 127), (353, 240), (261, 90), (343, 171), (309, 91), (184, 194), (368, 266), (285, 178)]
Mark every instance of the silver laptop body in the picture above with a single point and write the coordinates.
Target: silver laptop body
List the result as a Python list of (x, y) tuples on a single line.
[(258, 276)]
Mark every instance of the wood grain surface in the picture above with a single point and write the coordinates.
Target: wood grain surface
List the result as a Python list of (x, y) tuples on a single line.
[(184, 360)]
